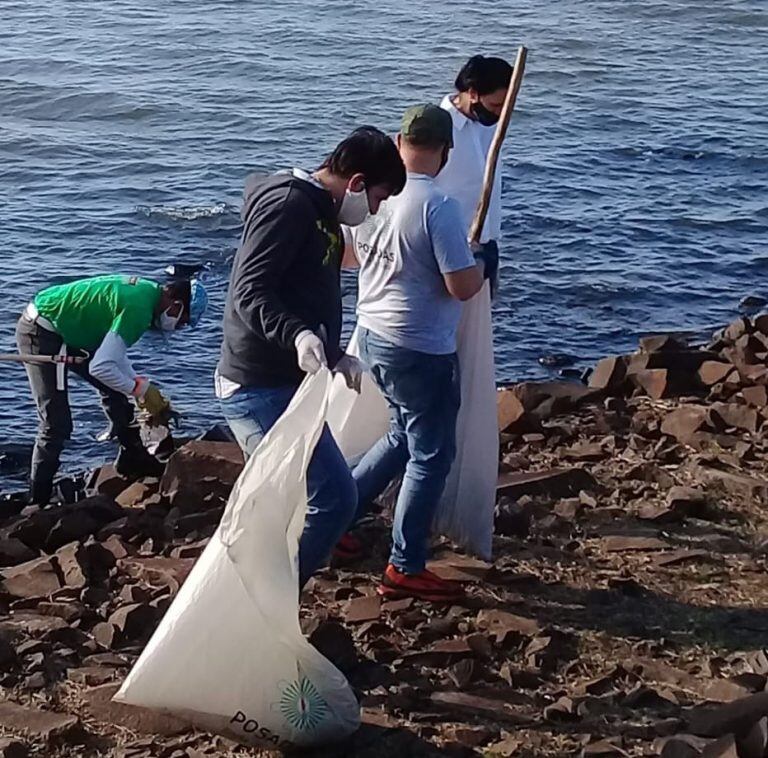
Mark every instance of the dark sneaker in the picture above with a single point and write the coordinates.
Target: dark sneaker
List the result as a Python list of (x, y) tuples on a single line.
[(425, 586), (348, 549)]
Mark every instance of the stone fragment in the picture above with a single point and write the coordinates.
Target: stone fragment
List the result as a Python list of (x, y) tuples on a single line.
[(725, 747), (679, 746), (660, 342), (91, 676), (711, 373), (14, 551), (563, 709), (157, 570), (46, 726), (726, 691), (80, 520), (730, 718), (35, 578), (106, 634), (620, 544), (134, 494), (555, 483), (511, 413), (756, 396), (737, 329), (334, 642), (738, 416), (71, 561), (685, 421), (737, 484), (473, 705), (106, 481), (360, 609), (100, 706), (609, 374), (136, 621), (656, 382), (70, 612), (459, 568), (676, 557), (201, 469), (512, 519), (585, 452), (755, 743), (501, 623), (10, 747)]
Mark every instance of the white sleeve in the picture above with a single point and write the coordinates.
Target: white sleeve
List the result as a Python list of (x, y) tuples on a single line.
[(110, 365)]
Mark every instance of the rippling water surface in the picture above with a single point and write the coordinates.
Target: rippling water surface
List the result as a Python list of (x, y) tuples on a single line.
[(635, 176)]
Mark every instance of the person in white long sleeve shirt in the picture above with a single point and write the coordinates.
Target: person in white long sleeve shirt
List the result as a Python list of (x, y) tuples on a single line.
[(481, 87), (99, 319)]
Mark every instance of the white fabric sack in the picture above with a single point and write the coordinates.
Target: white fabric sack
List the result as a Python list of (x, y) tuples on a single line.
[(229, 654), (466, 510), (357, 421)]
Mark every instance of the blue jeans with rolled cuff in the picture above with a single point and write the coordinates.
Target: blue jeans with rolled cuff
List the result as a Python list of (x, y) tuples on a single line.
[(424, 394)]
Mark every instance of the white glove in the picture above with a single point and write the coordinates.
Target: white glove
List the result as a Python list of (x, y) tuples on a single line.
[(310, 351), (352, 371)]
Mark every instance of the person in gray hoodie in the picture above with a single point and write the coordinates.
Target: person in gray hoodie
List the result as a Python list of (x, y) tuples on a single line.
[(283, 313)]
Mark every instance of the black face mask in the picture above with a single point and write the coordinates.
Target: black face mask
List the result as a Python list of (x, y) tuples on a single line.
[(483, 115)]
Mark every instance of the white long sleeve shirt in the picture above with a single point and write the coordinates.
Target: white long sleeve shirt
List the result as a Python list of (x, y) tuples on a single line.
[(110, 365), (462, 177)]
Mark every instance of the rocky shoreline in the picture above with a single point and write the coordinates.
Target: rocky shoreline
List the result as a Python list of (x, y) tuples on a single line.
[(625, 613)]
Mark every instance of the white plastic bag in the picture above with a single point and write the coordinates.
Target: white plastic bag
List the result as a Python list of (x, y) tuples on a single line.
[(229, 654), (465, 513)]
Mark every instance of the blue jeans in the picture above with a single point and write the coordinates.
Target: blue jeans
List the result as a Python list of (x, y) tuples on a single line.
[(423, 393), (331, 493)]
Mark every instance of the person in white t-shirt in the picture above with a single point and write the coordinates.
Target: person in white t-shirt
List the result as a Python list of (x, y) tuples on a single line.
[(415, 269), (481, 87)]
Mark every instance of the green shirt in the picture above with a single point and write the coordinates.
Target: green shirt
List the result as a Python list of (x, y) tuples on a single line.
[(84, 311)]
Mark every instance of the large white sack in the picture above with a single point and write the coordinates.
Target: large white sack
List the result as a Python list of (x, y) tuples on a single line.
[(466, 510), (357, 421), (229, 654), (465, 513)]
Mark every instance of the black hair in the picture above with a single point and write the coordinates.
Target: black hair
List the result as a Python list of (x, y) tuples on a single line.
[(180, 289), (484, 75), (370, 152)]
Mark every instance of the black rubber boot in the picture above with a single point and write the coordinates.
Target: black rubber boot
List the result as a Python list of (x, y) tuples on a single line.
[(133, 460)]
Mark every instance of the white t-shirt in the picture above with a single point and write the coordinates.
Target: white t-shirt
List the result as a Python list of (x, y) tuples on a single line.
[(462, 176), (403, 251)]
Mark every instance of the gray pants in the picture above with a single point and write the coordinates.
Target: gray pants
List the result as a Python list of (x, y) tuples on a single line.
[(53, 411)]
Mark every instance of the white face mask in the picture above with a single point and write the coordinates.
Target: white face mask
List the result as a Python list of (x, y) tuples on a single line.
[(167, 323), (354, 208)]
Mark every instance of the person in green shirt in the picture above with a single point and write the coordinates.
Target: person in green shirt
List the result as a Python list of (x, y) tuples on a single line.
[(99, 318)]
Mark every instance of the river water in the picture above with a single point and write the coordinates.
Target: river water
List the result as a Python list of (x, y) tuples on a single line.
[(635, 175)]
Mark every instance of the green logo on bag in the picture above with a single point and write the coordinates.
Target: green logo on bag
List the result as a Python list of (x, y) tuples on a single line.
[(302, 705)]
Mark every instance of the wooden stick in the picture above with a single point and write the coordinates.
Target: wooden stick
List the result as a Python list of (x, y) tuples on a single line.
[(476, 228)]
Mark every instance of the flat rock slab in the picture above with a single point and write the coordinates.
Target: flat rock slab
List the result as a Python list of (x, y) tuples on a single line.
[(40, 725), (100, 706)]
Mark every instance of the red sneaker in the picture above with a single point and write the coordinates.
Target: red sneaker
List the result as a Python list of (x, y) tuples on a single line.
[(424, 585), (348, 548)]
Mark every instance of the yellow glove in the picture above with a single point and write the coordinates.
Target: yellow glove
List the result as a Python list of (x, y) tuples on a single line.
[(156, 405)]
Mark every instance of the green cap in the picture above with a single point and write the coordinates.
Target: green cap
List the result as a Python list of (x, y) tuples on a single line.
[(427, 125)]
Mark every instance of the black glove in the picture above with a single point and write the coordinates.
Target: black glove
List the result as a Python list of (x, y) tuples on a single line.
[(488, 253)]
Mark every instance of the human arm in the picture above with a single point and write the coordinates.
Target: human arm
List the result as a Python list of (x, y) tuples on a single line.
[(111, 367), (275, 233), (462, 274)]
